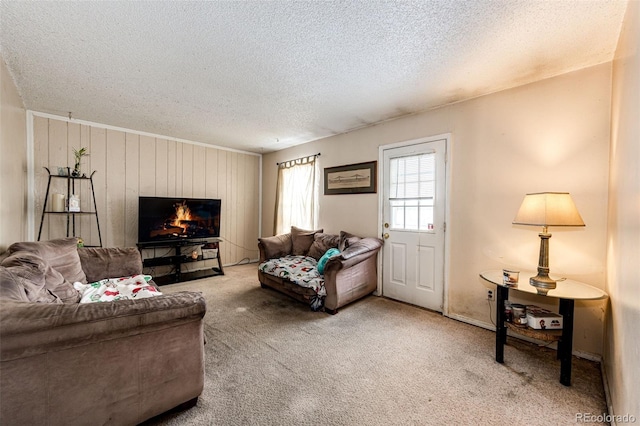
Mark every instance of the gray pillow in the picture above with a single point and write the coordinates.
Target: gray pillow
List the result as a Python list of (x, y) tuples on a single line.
[(58, 285), (101, 263), (25, 274), (37, 276), (321, 243), (10, 287), (301, 240), (276, 246), (61, 255), (346, 240)]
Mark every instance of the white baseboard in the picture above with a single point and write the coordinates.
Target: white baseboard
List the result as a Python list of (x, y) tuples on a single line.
[(607, 393), (588, 356), (472, 321)]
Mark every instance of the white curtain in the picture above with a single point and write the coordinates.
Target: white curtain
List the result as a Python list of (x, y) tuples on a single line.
[(296, 195)]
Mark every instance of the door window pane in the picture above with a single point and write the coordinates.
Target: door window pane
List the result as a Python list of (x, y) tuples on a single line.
[(397, 214), (412, 192)]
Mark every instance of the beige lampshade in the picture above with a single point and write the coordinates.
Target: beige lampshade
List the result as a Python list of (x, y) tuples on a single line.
[(548, 209)]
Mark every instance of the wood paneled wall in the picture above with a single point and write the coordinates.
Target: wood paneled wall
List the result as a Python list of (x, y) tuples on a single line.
[(129, 165)]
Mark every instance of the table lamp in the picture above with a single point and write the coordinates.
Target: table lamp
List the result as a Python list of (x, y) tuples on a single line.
[(547, 209)]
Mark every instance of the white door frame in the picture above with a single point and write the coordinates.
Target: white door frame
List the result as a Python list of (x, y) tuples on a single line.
[(447, 235)]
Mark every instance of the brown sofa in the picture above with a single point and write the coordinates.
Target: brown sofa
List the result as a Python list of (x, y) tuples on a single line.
[(348, 276), (66, 363)]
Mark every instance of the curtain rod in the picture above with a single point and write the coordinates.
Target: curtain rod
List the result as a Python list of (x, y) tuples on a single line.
[(301, 158)]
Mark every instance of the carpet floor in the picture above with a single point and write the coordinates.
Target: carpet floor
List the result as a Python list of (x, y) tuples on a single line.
[(269, 360)]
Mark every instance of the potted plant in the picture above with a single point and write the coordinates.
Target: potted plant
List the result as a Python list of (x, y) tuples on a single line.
[(78, 154)]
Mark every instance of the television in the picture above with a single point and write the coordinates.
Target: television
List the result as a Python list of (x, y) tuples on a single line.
[(162, 219)]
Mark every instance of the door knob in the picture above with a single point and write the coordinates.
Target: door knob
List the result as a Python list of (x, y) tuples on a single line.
[(386, 235)]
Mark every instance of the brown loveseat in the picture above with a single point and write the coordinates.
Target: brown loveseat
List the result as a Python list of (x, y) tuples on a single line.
[(348, 276), (66, 363)]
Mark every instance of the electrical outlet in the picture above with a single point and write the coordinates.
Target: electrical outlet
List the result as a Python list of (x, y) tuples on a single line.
[(489, 294)]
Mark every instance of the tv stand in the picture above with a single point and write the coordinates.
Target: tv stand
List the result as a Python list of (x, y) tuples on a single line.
[(178, 259)]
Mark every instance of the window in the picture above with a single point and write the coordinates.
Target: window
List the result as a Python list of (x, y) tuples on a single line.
[(412, 192), (296, 195)]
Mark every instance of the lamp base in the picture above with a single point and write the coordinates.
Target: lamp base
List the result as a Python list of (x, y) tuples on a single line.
[(542, 283)]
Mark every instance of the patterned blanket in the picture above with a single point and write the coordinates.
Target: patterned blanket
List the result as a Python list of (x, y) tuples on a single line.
[(301, 270), (135, 287)]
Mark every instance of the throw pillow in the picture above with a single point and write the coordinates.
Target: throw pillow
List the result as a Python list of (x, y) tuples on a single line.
[(40, 280), (325, 258), (102, 263), (29, 272), (276, 246), (10, 287), (321, 243), (58, 285), (346, 240), (301, 240), (61, 255)]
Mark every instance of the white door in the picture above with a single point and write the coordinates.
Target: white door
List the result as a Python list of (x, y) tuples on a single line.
[(414, 197)]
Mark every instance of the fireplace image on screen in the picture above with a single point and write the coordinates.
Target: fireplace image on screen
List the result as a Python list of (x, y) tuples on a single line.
[(186, 225), (164, 219)]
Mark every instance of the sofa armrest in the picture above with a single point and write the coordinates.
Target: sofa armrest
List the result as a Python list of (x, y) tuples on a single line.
[(27, 329), (100, 263), (354, 254), (352, 274), (364, 245), (275, 247)]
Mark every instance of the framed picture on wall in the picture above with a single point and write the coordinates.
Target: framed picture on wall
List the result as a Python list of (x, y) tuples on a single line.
[(351, 179)]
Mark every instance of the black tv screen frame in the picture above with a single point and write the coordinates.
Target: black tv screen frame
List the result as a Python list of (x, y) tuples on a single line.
[(166, 219)]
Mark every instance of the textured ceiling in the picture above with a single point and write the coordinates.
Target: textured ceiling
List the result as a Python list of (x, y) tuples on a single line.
[(266, 75)]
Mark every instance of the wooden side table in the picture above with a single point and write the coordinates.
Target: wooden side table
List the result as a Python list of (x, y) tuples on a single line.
[(567, 292)]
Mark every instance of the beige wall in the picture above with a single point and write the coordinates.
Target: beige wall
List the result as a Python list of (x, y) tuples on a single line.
[(622, 349), (552, 135), (128, 165), (13, 162)]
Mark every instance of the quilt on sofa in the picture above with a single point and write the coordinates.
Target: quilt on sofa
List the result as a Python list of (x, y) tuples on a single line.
[(301, 270), (111, 289)]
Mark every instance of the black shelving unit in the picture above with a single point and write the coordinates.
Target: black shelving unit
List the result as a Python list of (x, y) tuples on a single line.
[(71, 216), (178, 259)]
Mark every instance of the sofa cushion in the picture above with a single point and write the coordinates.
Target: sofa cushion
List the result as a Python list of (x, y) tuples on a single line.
[(101, 263), (24, 275), (61, 255), (321, 243), (346, 240), (301, 270), (276, 246), (301, 240), (37, 274), (61, 287), (10, 287)]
